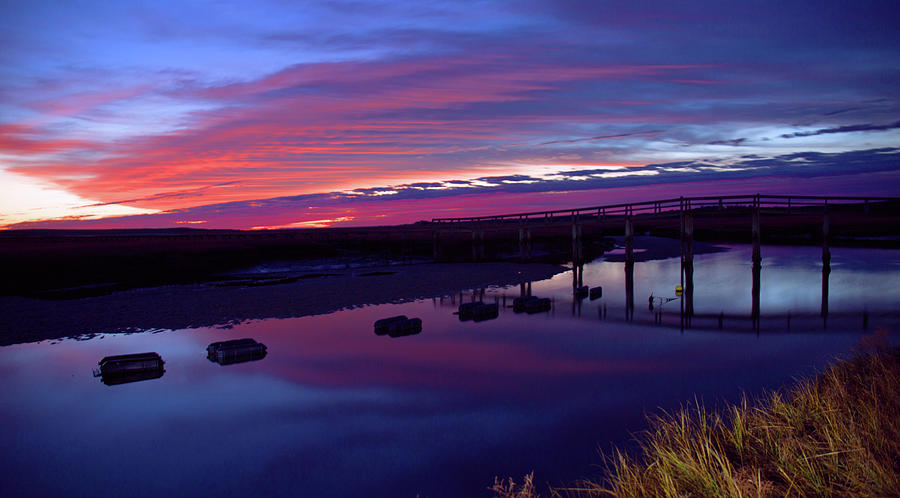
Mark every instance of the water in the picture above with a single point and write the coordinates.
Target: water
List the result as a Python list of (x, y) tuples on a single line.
[(334, 410)]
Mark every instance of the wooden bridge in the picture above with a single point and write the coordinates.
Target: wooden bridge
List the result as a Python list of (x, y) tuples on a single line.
[(729, 216)]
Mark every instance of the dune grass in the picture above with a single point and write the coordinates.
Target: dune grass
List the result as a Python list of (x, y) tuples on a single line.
[(835, 435)]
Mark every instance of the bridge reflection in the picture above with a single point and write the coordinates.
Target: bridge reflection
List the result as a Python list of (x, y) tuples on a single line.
[(662, 312), (786, 216)]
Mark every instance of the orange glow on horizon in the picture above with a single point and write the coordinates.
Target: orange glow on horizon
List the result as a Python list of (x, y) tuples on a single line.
[(307, 224)]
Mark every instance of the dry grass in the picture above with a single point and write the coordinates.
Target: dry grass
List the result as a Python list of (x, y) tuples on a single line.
[(507, 488), (836, 435)]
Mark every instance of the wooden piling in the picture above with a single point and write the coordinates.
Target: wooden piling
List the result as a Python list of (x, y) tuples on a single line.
[(481, 249), (435, 249), (521, 245), (629, 290), (477, 245), (577, 246), (629, 240), (826, 250), (528, 244), (757, 254), (754, 311), (687, 263), (826, 261)]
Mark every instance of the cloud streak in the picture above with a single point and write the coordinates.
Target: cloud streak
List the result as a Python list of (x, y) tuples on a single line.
[(844, 129), (180, 106), (849, 173)]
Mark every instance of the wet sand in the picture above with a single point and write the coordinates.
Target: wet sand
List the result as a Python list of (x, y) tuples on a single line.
[(216, 304)]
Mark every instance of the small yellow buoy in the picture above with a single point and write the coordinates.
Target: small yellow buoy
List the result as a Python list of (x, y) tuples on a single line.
[(678, 290)]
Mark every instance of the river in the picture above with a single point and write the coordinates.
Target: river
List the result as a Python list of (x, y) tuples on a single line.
[(336, 410)]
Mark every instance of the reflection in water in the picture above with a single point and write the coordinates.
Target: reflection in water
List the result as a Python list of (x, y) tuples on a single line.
[(826, 272), (478, 311), (728, 287), (335, 410), (114, 380), (629, 290), (755, 290), (532, 304), (582, 292)]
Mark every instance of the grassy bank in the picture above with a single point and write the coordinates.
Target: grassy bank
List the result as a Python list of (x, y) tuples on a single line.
[(836, 435)]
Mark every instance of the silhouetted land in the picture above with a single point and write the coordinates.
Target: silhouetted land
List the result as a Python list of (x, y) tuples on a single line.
[(225, 302), (59, 264)]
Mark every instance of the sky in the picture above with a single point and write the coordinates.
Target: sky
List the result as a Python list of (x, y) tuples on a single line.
[(275, 114)]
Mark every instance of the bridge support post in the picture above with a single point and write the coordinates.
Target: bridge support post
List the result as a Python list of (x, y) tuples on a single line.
[(629, 240), (481, 249), (524, 244), (521, 245), (435, 248), (629, 290), (826, 262), (528, 244), (687, 263), (757, 254), (754, 311), (577, 246), (757, 264), (629, 267), (577, 277), (477, 245)]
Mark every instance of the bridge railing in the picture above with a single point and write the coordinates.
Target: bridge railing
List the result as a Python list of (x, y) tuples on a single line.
[(670, 205)]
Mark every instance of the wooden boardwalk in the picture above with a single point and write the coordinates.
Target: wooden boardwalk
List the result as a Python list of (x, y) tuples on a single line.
[(867, 216)]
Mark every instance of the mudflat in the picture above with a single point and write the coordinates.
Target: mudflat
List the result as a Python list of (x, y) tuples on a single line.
[(226, 302)]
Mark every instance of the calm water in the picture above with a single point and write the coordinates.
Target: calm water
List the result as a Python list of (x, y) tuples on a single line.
[(334, 410)]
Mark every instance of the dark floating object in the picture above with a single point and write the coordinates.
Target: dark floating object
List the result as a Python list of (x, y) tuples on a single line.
[(235, 351), (408, 327), (519, 303), (382, 326), (466, 309), (596, 292), (398, 326), (581, 292), (531, 304), (478, 311), (486, 312), (126, 368)]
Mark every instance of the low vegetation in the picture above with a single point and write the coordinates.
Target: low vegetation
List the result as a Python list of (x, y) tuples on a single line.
[(835, 435)]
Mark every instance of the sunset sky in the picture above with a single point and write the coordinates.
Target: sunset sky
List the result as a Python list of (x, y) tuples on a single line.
[(272, 114)]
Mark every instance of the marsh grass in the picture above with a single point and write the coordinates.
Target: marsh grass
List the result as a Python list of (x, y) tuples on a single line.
[(835, 435)]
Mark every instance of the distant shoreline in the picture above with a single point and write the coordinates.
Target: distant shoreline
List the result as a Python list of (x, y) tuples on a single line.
[(65, 264), (217, 303)]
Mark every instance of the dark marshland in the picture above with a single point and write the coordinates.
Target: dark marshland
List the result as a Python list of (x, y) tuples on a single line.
[(266, 376)]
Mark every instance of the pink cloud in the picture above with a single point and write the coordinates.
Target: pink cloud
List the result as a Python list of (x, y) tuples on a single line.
[(318, 127)]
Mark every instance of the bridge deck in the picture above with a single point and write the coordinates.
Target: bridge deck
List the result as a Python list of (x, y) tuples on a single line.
[(674, 205)]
